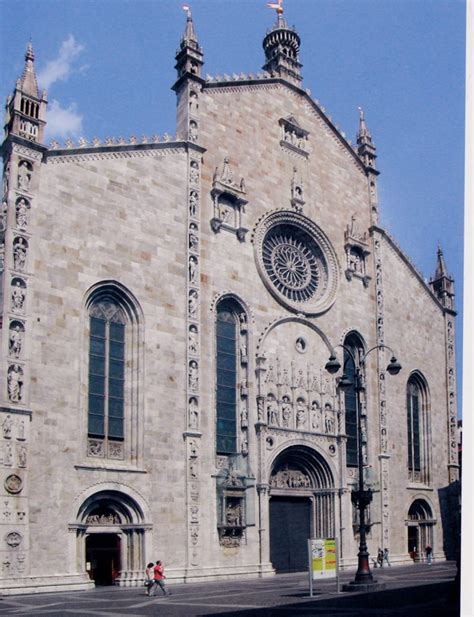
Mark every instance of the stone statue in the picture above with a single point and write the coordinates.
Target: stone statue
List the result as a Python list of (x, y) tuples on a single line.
[(18, 297), (286, 411), (193, 204), (21, 213), (193, 413), (7, 427), (19, 255), (193, 340), (15, 383), (193, 375), (192, 269), (300, 414), (192, 302), (15, 341), (24, 176)]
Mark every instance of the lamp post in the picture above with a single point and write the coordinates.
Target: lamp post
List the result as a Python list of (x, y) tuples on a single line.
[(361, 497)]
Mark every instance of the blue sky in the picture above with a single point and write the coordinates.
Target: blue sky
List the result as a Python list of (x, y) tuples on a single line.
[(109, 64)]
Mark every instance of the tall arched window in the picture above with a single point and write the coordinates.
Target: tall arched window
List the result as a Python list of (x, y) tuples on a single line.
[(106, 369), (417, 429), (114, 375), (230, 371), (354, 343)]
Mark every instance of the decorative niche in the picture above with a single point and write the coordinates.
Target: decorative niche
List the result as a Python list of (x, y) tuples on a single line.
[(357, 250), (233, 507), (229, 202), (293, 137)]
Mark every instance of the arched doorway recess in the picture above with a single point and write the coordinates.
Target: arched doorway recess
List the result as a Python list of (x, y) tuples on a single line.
[(110, 532), (420, 525), (301, 505)]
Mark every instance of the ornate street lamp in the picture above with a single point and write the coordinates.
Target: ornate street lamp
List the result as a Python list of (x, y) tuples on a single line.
[(361, 497)]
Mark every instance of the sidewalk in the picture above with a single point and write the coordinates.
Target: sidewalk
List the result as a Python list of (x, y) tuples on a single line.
[(416, 590)]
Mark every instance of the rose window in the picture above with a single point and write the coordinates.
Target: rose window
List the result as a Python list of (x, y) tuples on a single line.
[(296, 261)]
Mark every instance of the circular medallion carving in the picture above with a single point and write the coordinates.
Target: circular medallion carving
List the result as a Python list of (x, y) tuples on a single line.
[(296, 261), (13, 483), (13, 539)]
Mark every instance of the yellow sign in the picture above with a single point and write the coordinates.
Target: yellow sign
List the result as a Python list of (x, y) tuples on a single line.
[(323, 558)]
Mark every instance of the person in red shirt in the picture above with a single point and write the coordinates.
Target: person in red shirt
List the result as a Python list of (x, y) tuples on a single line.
[(159, 575)]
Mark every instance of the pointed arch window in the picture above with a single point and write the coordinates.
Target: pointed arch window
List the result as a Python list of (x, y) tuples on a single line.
[(226, 379), (354, 343), (114, 359), (417, 429), (106, 370)]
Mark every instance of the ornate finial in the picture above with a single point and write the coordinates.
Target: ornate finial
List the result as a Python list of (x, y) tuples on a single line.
[(278, 6), (187, 8), (189, 34)]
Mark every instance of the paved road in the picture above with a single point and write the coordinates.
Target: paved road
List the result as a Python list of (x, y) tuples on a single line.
[(412, 591)]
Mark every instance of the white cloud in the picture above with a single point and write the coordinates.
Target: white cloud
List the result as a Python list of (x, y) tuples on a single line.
[(63, 121), (61, 67)]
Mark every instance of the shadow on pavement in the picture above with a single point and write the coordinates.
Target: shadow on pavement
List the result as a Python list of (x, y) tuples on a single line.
[(431, 600)]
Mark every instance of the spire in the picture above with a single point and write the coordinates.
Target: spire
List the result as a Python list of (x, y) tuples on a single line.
[(366, 149), (441, 269), (282, 45), (28, 83), (442, 284), (189, 34), (26, 108), (189, 57)]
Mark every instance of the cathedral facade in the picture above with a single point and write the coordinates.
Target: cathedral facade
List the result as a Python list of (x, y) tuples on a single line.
[(169, 307)]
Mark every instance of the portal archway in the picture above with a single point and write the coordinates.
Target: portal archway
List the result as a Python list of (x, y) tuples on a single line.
[(420, 523), (110, 533), (301, 506)]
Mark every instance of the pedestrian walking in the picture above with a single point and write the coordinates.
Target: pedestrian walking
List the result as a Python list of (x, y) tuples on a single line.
[(380, 558), (159, 576), (385, 557), (149, 578), (429, 554)]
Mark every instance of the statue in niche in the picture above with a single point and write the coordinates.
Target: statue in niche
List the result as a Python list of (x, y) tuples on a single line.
[(192, 269), (194, 172), (22, 213), (244, 417), (193, 450), (193, 237), (192, 302), (244, 388), (21, 429), (19, 254), (7, 425), (286, 410), (193, 204), (244, 449), (329, 423), (233, 515), (8, 455), (15, 341), (272, 413), (193, 102), (243, 352), (18, 297), (193, 340), (193, 413), (193, 131), (21, 455), (243, 322), (315, 416), (300, 413), (193, 375), (24, 176), (15, 383)]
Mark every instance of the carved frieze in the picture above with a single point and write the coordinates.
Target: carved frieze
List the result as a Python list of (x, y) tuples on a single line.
[(293, 137)]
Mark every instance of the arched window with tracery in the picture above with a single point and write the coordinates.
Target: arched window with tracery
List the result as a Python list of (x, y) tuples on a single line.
[(112, 402), (230, 368), (354, 343), (417, 429)]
